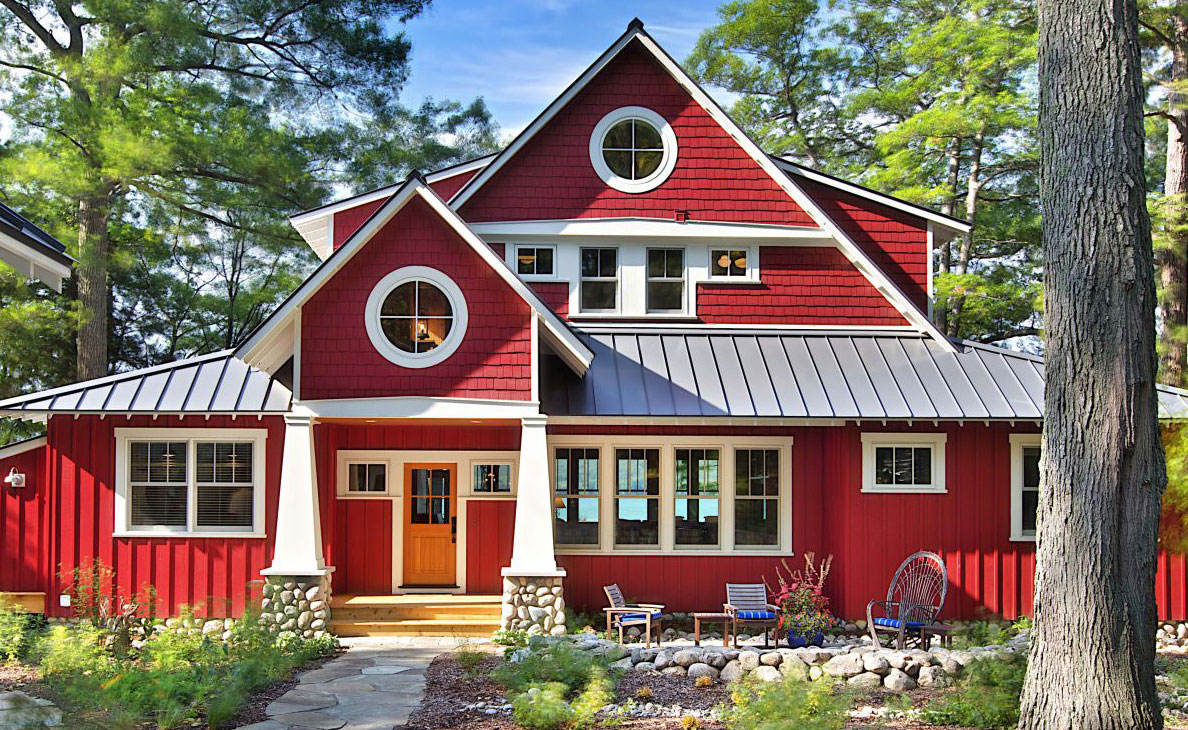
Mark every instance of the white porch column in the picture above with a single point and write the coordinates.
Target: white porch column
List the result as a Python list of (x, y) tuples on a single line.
[(298, 547), (533, 597)]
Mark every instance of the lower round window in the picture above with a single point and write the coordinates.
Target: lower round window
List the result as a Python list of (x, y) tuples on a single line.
[(416, 316)]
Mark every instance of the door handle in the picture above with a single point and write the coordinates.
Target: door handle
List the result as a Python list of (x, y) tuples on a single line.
[(454, 529)]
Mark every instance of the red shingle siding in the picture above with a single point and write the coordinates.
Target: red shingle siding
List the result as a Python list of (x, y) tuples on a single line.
[(714, 179), (896, 241), (348, 221), (553, 293), (446, 187), (800, 285), (339, 361)]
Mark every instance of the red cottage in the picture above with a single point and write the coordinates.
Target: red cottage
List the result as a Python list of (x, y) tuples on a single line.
[(630, 348)]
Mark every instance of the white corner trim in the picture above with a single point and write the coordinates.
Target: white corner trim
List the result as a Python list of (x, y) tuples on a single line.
[(873, 439), (667, 160), (386, 347), (123, 502)]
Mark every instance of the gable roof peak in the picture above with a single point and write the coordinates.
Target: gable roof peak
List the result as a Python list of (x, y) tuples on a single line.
[(635, 24)]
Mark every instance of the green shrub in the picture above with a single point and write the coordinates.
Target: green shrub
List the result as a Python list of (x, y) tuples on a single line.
[(546, 663), (469, 658), (987, 633), (787, 704), (18, 631), (73, 651), (598, 693), (510, 637), (988, 697), (542, 706)]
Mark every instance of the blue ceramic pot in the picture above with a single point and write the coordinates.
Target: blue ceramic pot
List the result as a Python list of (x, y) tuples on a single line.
[(795, 641)]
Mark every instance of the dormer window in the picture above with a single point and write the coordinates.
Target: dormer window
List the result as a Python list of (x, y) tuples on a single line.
[(633, 149)]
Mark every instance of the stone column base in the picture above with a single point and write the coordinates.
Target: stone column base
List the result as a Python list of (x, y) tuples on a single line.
[(534, 604), (297, 603)]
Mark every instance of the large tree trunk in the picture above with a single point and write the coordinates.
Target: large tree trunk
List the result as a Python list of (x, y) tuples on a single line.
[(93, 249), (1172, 257), (973, 190), (1093, 647)]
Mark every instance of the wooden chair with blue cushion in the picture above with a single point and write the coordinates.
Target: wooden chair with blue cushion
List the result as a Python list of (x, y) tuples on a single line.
[(621, 615), (747, 604), (914, 600)]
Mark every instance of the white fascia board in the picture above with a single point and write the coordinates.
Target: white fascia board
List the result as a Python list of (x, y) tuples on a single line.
[(421, 407), (254, 347), (32, 263), (861, 192), (645, 228), (22, 447)]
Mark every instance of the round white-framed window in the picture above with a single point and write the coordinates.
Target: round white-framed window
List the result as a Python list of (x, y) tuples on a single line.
[(633, 149), (416, 317)]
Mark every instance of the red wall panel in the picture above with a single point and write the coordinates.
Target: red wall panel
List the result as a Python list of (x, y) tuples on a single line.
[(714, 179), (21, 533), (799, 285), (210, 574), (895, 240), (553, 293), (339, 361), (490, 526)]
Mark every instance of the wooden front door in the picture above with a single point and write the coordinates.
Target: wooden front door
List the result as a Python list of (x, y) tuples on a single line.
[(430, 525)]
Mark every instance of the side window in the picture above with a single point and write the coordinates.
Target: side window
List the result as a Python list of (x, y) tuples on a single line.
[(1025, 480), (600, 279), (666, 280), (535, 260), (903, 463)]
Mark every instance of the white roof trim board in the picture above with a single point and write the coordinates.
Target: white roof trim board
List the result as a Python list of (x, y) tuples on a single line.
[(878, 375), (848, 247), (257, 349), (22, 447), (214, 383)]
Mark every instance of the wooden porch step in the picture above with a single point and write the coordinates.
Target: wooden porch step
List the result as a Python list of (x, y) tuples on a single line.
[(416, 627)]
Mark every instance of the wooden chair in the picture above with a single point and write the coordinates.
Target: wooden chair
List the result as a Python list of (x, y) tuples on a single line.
[(914, 599), (621, 614), (747, 604)]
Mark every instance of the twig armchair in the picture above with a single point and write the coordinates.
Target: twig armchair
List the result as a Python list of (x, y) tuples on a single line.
[(914, 600), (621, 615)]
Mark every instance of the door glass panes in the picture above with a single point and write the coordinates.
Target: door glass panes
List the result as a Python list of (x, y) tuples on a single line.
[(430, 496)]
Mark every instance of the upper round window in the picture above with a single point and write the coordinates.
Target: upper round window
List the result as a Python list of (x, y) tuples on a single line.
[(633, 149), (416, 316)]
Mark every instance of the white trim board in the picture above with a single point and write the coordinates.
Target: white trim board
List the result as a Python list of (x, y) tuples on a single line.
[(22, 447), (412, 406), (575, 354), (634, 228), (27, 260)]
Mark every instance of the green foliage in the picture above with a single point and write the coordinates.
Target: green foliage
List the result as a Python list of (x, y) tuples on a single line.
[(598, 693), (987, 698), (510, 637), (18, 631), (542, 706), (985, 633), (787, 704), (469, 658), (547, 662), (74, 652)]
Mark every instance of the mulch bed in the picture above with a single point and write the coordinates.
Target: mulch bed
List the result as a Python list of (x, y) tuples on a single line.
[(252, 711), (669, 691)]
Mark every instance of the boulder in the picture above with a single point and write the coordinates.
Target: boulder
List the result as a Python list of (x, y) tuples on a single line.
[(771, 659), (732, 672), (950, 665), (767, 674), (749, 660), (662, 659), (898, 681), (793, 668), (866, 680), (624, 663), (676, 671), (876, 663), (645, 667), (702, 670), (715, 659), (815, 673), (932, 677), (686, 658), (844, 666)]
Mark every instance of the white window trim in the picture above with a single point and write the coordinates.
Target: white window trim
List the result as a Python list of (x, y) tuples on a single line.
[(514, 261), (683, 279), (752, 275), (396, 459), (381, 342), (123, 502), (618, 279), (1018, 442), (606, 444), (667, 160), (936, 441)]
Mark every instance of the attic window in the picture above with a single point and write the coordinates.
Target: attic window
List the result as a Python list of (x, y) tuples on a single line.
[(416, 317), (633, 149)]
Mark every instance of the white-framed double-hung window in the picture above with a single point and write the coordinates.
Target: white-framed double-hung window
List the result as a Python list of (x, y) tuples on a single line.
[(199, 482), (1025, 484)]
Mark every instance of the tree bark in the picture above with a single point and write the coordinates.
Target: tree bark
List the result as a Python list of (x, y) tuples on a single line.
[(1172, 257), (1092, 651), (945, 264), (973, 189), (93, 249)]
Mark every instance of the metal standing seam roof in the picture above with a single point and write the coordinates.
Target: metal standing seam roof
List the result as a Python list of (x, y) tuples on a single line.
[(828, 375), (214, 383)]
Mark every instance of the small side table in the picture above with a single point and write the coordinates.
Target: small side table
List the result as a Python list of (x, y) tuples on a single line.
[(724, 618), (942, 631)]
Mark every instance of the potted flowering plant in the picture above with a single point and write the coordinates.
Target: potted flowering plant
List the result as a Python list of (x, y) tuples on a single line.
[(804, 608)]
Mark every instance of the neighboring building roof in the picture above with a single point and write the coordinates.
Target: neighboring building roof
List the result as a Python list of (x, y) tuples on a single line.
[(806, 374), (270, 344), (215, 383), (32, 251)]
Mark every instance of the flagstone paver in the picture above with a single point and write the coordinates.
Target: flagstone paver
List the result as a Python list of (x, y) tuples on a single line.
[(19, 711), (375, 685)]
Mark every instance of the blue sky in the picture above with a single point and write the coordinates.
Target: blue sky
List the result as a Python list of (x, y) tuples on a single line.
[(520, 54)]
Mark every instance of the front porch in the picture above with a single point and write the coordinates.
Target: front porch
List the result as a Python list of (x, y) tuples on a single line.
[(460, 616)]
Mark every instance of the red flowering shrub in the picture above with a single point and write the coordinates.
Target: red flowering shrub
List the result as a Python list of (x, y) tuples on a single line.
[(804, 607)]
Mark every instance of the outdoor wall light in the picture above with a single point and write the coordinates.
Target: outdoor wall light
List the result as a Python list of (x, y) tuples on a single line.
[(15, 479)]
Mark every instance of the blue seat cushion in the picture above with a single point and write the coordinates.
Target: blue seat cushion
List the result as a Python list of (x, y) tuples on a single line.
[(756, 615), (893, 623), (624, 617)]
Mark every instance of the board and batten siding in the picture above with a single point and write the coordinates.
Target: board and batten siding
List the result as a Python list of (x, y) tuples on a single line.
[(22, 529)]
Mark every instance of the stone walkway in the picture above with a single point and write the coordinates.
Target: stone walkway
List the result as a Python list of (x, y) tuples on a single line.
[(375, 685), (19, 711)]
